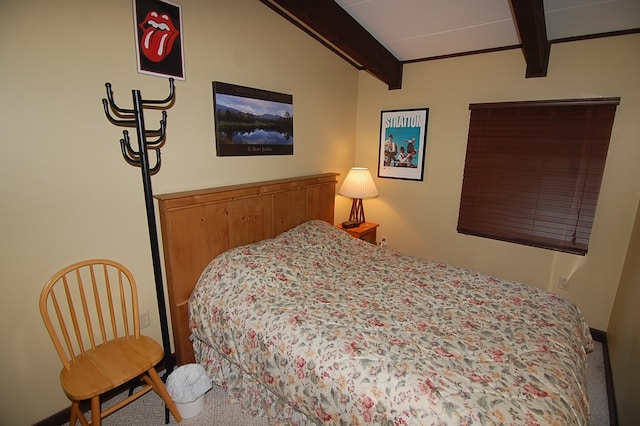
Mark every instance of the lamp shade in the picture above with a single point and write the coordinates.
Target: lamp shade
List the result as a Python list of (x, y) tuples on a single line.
[(358, 184)]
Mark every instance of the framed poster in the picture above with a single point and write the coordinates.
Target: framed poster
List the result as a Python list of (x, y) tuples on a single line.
[(252, 121), (403, 142), (159, 44)]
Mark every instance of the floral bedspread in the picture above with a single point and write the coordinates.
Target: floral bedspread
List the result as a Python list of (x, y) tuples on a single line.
[(348, 333)]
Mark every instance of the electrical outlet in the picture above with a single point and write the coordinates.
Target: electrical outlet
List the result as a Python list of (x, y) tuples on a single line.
[(144, 320), (383, 242), (563, 283)]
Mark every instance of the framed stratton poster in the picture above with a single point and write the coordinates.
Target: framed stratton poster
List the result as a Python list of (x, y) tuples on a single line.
[(403, 140)]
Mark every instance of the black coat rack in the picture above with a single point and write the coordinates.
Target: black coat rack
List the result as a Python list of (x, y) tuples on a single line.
[(140, 158)]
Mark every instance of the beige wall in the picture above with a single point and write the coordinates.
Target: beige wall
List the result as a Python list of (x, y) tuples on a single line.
[(421, 217), (624, 335), (67, 193)]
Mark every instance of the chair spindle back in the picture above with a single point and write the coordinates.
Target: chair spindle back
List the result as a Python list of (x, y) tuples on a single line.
[(87, 304)]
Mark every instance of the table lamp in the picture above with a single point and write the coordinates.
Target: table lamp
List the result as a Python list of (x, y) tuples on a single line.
[(357, 185)]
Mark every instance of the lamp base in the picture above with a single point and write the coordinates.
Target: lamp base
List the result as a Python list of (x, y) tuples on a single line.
[(357, 211), (350, 224)]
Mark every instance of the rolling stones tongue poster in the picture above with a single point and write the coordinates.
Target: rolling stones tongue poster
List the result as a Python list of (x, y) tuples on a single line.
[(159, 49)]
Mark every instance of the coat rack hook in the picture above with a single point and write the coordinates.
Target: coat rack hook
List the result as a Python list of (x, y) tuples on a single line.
[(167, 100)]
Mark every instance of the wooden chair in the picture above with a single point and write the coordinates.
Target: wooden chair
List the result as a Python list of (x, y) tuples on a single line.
[(90, 310)]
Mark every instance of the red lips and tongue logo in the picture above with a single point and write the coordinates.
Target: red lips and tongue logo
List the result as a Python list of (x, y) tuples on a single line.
[(158, 35)]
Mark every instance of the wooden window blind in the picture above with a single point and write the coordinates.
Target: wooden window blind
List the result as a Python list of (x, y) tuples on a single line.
[(533, 171)]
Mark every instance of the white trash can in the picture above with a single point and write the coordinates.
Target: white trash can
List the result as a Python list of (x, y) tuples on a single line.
[(187, 385)]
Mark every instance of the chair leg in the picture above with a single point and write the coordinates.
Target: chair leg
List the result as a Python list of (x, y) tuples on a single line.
[(96, 418), (160, 389), (75, 406), (77, 415)]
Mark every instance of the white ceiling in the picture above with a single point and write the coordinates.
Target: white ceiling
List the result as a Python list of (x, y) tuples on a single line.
[(419, 29)]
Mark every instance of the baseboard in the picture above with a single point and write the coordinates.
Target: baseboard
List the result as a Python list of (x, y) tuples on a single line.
[(601, 336), (63, 416), (59, 418)]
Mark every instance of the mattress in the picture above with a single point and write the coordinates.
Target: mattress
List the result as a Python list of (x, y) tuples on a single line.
[(315, 326)]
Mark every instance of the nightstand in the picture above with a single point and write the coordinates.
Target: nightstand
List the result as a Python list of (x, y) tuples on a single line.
[(366, 231)]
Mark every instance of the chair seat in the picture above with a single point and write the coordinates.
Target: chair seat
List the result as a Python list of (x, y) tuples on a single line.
[(109, 365)]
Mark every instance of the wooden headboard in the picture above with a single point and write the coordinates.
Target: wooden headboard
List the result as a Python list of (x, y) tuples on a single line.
[(198, 225)]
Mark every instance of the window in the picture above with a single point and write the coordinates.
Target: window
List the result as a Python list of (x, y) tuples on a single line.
[(533, 170)]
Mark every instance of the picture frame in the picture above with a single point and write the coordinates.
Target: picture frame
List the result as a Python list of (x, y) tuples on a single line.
[(403, 142), (159, 38), (252, 121)]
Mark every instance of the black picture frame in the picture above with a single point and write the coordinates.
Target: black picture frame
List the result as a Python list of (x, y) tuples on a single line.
[(403, 143), (252, 121), (159, 40)]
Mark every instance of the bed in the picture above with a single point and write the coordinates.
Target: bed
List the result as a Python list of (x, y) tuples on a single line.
[(309, 325)]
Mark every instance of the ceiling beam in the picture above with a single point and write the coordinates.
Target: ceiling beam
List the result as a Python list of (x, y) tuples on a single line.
[(333, 24), (530, 22)]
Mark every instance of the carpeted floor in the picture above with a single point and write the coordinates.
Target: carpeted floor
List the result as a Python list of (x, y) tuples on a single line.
[(149, 410), (597, 387)]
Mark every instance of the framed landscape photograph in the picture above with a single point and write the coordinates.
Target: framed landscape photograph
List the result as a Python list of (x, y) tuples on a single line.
[(252, 121), (403, 142)]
